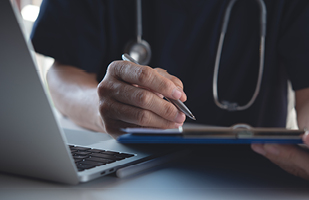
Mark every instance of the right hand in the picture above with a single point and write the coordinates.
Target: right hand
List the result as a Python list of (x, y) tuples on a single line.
[(130, 95)]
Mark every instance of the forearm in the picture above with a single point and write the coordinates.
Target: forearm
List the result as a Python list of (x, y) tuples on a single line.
[(74, 93)]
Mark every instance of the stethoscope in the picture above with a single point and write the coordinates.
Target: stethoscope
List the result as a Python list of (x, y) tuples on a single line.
[(140, 50)]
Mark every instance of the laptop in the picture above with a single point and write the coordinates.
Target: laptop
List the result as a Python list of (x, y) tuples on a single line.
[(32, 141)]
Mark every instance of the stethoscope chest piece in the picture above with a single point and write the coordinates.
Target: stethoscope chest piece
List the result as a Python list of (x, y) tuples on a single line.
[(140, 51)]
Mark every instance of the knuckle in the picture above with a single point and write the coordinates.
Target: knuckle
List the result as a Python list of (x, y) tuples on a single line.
[(101, 88), (177, 81), (144, 74), (165, 85), (161, 71), (109, 128), (115, 67), (143, 118), (107, 109), (104, 87), (104, 108), (111, 67), (142, 98), (170, 111)]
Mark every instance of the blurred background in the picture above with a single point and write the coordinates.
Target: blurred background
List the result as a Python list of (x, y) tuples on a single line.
[(29, 10)]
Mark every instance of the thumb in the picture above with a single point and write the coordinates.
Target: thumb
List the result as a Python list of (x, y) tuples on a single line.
[(306, 138)]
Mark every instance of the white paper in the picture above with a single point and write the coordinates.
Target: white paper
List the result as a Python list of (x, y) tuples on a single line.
[(153, 130)]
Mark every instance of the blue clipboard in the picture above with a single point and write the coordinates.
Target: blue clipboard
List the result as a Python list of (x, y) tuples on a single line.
[(237, 134)]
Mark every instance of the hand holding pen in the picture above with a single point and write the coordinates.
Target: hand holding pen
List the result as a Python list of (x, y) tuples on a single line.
[(128, 98), (181, 106)]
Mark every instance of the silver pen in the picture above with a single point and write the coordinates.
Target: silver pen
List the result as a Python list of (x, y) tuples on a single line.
[(181, 106)]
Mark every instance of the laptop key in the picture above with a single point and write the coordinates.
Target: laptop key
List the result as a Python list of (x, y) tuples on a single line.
[(96, 150), (80, 148), (102, 160), (82, 153), (119, 157), (126, 155), (111, 152), (101, 155), (80, 157)]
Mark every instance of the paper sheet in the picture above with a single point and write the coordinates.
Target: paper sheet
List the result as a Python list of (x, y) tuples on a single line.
[(153, 131)]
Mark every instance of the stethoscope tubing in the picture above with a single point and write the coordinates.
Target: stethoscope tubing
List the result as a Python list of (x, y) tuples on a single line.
[(139, 27), (230, 106), (234, 106)]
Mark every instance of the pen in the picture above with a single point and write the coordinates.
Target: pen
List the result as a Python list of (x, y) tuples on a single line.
[(181, 106)]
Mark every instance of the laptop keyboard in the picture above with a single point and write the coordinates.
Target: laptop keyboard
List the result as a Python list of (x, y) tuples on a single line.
[(87, 158)]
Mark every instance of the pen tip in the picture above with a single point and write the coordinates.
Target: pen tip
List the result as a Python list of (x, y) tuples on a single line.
[(192, 117)]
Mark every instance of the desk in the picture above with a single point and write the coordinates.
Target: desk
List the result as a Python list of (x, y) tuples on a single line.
[(233, 172)]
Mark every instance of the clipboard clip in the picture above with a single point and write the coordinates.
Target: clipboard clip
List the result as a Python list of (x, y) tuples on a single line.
[(242, 131)]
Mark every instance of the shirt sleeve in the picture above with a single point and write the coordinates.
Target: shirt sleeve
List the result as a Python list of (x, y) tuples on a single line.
[(294, 43), (70, 32)]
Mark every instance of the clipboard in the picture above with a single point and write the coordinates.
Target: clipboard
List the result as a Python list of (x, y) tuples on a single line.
[(236, 134)]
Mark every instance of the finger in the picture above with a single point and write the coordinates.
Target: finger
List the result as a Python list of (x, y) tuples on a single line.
[(289, 157), (306, 138), (144, 76), (159, 95), (175, 80), (133, 115), (145, 99)]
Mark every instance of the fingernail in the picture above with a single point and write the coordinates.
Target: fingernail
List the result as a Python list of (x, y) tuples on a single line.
[(182, 92), (180, 118), (272, 149), (258, 148), (306, 135), (176, 94)]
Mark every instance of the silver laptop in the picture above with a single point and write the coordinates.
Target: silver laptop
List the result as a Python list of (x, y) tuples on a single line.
[(32, 142)]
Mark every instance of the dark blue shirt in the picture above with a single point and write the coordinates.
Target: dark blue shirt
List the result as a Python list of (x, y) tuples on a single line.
[(184, 36)]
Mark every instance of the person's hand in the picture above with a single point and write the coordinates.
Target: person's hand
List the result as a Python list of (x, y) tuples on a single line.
[(130, 95), (292, 158)]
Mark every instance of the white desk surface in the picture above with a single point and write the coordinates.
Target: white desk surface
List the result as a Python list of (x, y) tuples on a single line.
[(210, 172)]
